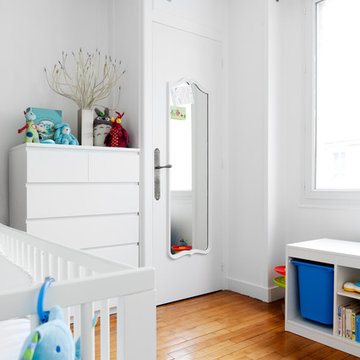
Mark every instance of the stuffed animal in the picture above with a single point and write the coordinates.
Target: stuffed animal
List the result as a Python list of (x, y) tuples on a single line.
[(41, 129), (102, 126), (118, 136), (183, 242), (50, 341), (351, 287), (31, 134), (63, 135)]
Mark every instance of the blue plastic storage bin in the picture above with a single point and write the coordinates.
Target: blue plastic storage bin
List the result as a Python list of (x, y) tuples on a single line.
[(316, 291)]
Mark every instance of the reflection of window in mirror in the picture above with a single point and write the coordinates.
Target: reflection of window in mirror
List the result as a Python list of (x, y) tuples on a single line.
[(181, 147)]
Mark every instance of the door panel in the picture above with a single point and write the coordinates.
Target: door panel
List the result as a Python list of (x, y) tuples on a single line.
[(177, 55)]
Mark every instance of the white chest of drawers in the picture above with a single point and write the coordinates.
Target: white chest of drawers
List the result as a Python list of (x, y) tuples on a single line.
[(79, 196)]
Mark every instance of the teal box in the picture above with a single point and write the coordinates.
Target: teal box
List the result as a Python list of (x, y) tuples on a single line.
[(45, 122)]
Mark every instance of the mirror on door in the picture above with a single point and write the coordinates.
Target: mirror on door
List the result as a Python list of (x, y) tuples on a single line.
[(188, 154)]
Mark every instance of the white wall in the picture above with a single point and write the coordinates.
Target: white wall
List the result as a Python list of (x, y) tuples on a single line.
[(256, 143), (34, 33), (248, 122), (126, 45), (267, 145), (276, 147)]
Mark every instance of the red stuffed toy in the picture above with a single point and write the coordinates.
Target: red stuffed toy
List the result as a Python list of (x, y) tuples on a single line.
[(118, 136)]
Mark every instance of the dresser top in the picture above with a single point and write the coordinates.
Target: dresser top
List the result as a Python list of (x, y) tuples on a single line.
[(27, 146)]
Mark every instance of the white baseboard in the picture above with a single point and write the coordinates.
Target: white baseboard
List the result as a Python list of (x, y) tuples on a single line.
[(255, 291)]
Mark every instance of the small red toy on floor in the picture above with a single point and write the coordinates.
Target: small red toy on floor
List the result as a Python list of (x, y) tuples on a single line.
[(118, 136)]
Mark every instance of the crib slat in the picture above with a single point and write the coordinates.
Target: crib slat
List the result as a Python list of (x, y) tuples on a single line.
[(120, 329), (2, 243), (12, 252), (66, 314), (22, 250), (76, 270), (5, 249), (8, 240), (7, 245), (46, 267), (87, 332), (64, 271), (26, 257), (55, 266), (38, 273), (31, 261), (89, 272), (16, 252), (104, 330), (77, 324)]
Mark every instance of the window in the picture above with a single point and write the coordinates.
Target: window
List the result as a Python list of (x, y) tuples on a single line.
[(337, 95)]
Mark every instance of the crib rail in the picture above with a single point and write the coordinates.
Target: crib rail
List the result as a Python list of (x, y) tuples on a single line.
[(84, 284)]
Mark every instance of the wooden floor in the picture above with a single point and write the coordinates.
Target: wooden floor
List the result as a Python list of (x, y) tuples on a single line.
[(226, 326), (229, 326)]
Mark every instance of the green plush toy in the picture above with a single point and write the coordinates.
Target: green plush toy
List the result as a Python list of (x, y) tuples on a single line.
[(31, 134)]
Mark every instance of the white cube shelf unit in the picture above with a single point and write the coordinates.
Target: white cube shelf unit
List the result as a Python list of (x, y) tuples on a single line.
[(80, 196), (345, 256)]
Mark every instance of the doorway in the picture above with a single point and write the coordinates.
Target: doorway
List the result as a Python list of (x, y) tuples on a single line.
[(187, 79)]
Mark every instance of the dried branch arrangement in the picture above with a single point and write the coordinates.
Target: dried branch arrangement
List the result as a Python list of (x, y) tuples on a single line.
[(90, 78)]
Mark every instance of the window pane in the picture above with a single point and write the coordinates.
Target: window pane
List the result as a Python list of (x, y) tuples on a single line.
[(338, 95)]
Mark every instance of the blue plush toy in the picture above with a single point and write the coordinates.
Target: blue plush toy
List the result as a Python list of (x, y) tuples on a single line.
[(52, 340), (63, 135)]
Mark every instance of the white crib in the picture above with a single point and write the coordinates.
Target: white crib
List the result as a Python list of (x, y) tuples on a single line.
[(85, 284)]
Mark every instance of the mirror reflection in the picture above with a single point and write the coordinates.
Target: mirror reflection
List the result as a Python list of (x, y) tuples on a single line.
[(188, 152)]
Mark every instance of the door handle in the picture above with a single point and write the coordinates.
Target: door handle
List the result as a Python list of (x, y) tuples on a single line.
[(163, 167), (157, 166)]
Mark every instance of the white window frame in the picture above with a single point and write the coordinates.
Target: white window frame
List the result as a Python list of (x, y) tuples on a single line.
[(310, 115)]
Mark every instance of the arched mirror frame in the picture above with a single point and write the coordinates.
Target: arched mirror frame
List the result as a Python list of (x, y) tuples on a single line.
[(170, 85)]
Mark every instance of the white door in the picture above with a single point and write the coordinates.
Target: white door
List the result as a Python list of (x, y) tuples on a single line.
[(186, 133)]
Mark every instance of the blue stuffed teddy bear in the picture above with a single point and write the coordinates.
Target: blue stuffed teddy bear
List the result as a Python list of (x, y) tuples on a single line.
[(52, 340), (63, 135)]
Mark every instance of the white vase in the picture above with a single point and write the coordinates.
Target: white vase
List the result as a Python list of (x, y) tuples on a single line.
[(85, 127)]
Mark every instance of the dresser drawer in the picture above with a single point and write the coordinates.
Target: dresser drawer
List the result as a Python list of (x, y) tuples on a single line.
[(86, 232), (114, 167), (125, 254), (66, 200), (57, 165)]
